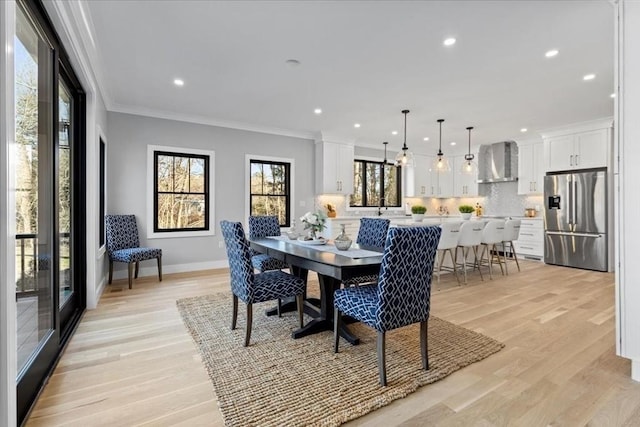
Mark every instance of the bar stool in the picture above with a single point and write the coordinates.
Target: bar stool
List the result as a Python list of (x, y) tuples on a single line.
[(470, 238), (492, 235), (448, 243), (511, 233)]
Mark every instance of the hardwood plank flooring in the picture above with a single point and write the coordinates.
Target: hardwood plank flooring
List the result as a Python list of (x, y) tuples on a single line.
[(132, 362)]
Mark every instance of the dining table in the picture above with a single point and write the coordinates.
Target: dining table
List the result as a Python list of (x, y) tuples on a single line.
[(332, 265)]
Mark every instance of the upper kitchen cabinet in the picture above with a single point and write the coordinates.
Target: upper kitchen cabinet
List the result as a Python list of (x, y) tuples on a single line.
[(419, 178), (585, 147), (464, 184), (531, 169), (334, 168), (442, 183)]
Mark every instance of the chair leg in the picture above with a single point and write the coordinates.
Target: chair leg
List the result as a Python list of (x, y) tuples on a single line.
[(455, 271), (299, 302), (336, 329), (497, 255), (489, 259), (160, 268), (247, 336), (424, 346), (382, 367), (234, 314), (515, 256), (279, 307), (441, 256), (475, 258), (137, 268), (130, 268), (504, 256), (110, 271)]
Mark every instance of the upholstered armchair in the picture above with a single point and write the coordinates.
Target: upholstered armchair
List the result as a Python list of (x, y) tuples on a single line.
[(372, 232), (123, 245), (402, 295), (253, 288), (259, 227)]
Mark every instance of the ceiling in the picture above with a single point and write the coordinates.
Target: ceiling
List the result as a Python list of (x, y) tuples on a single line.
[(361, 62)]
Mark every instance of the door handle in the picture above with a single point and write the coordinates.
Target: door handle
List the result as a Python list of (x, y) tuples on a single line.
[(570, 204), (561, 233), (571, 160), (575, 204), (576, 159)]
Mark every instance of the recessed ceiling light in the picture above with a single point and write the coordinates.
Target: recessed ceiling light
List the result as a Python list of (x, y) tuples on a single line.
[(395, 132), (426, 138), (551, 53), (318, 111), (589, 77), (449, 42), (523, 130), (292, 63), (453, 143), (613, 95), (357, 125), (178, 82)]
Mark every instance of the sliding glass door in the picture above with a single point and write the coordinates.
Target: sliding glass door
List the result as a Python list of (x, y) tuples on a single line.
[(49, 161)]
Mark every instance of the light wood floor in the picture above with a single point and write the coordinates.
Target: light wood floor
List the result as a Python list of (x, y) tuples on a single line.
[(132, 362)]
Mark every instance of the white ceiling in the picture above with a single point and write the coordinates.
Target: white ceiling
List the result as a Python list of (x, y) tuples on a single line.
[(361, 61)]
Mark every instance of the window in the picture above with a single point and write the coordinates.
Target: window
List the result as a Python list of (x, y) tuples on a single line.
[(375, 184), (180, 192), (270, 189)]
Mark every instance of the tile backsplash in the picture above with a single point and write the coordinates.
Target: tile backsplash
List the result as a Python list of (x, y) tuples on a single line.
[(495, 198)]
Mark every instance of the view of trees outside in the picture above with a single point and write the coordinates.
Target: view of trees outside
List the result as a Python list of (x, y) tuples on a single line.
[(64, 191), (269, 190), (367, 184), (182, 191)]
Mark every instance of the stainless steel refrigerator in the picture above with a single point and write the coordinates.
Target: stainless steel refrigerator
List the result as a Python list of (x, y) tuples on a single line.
[(575, 219)]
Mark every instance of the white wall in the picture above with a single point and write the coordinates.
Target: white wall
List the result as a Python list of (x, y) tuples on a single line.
[(7, 227), (129, 136), (628, 176)]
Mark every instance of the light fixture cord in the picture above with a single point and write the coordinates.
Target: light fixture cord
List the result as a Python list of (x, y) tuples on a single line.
[(404, 146)]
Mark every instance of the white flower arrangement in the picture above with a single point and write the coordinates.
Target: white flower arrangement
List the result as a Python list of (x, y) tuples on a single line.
[(314, 221)]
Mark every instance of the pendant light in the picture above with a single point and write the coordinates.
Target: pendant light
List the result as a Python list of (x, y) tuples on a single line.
[(469, 167), (404, 156), (441, 163), (384, 162)]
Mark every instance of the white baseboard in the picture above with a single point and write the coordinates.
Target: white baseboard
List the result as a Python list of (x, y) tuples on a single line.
[(635, 369), (99, 291), (152, 269)]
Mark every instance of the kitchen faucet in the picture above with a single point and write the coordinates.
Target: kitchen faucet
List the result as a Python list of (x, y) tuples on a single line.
[(381, 204)]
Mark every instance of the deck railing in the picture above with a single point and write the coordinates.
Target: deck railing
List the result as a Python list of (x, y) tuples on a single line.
[(29, 262)]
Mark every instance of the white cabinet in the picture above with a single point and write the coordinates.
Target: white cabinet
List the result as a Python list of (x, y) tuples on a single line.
[(332, 229), (531, 168), (530, 243), (579, 150), (442, 184), (465, 185), (334, 168), (419, 177)]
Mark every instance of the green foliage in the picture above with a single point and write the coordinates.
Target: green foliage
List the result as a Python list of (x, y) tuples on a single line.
[(418, 209), (466, 209)]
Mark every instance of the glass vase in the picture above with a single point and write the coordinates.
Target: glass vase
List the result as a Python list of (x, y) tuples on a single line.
[(342, 241)]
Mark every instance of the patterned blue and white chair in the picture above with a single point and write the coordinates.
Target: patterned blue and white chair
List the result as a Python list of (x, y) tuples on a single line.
[(254, 288), (259, 227), (401, 296), (372, 232), (123, 245)]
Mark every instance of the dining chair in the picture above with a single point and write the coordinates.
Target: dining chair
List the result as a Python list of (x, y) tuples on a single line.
[(401, 296), (253, 288), (372, 232), (123, 245), (511, 234), (259, 227)]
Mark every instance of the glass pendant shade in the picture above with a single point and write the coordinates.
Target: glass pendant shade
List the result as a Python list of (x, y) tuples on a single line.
[(404, 156), (440, 162), (469, 167)]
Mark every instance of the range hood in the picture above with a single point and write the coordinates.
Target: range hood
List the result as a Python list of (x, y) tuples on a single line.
[(498, 162)]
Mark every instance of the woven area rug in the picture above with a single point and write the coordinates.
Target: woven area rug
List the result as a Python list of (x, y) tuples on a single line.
[(281, 381)]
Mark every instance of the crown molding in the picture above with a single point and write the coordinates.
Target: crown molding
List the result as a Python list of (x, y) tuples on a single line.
[(577, 127), (202, 120)]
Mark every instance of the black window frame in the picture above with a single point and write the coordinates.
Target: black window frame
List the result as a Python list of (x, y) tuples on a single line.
[(287, 195), (102, 190), (381, 165), (156, 193)]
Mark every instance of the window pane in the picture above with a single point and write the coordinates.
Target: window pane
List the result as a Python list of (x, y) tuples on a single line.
[(356, 197), (270, 205), (391, 185), (181, 175), (165, 173), (64, 196), (197, 176), (373, 184), (257, 178), (181, 211)]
